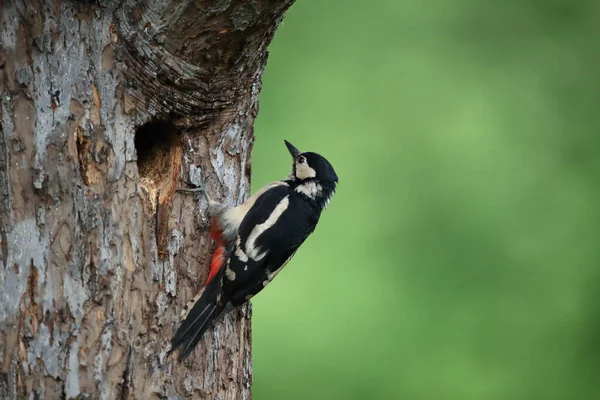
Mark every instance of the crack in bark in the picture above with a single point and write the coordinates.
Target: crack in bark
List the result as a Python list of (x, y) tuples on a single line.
[(127, 373), (4, 197)]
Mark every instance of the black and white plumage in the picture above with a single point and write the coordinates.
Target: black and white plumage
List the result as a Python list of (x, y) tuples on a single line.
[(255, 240)]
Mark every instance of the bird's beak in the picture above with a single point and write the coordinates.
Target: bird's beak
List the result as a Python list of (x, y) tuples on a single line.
[(293, 151)]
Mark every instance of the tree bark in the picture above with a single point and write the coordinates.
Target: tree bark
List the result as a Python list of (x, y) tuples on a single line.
[(107, 107)]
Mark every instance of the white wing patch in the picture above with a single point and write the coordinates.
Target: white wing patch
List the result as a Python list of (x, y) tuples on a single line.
[(243, 257), (230, 274), (310, 189), (239, 253), (231, 218), (254, 252)]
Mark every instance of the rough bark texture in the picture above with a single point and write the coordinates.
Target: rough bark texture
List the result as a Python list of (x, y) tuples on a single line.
[(106, 108)]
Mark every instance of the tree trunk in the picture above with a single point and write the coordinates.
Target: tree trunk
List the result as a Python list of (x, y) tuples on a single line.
[(106, 108)]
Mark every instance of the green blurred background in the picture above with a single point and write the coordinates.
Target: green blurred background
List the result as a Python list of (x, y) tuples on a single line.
[(460, 257)]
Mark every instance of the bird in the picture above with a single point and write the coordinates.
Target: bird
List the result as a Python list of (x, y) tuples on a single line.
[(255, 241)]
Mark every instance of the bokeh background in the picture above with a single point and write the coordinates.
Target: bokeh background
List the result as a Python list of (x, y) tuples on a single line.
[(460, 258)]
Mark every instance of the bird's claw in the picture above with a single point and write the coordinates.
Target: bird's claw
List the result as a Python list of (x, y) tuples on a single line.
[(201, 189)]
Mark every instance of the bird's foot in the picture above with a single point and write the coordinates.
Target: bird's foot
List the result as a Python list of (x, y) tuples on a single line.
[(200, 189), (214, 207)]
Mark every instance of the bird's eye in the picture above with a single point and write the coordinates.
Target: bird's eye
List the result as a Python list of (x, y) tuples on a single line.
[(301, 160)]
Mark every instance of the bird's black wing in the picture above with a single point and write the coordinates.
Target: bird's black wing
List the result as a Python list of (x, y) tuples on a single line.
[(268, 238)]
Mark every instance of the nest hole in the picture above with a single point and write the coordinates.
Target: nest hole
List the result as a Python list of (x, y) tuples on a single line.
[(158, 148)]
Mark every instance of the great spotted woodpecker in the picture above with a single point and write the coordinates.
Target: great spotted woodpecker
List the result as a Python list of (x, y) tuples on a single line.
[(255, 240)]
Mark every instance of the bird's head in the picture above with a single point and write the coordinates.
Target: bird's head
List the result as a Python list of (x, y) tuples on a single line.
[(312, 174), (311, 166)]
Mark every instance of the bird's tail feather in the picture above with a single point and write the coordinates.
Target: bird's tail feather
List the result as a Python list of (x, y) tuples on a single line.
[(199, 318)]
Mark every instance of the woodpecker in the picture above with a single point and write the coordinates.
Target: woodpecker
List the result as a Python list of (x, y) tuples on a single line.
[(255, 240)]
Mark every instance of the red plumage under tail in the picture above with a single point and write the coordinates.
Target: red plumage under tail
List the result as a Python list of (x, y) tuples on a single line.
[(216, 262), (218, 257), (207, 305), (203, 312)]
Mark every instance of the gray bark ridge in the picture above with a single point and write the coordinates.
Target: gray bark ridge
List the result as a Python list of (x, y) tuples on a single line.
[(106, 108)]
